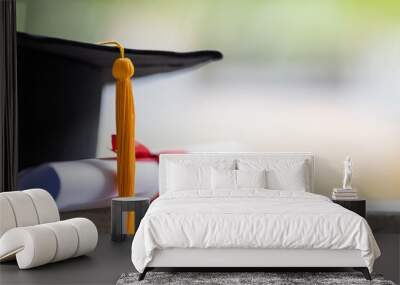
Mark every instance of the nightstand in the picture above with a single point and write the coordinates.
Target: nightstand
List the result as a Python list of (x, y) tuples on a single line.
[(358, 206), (119, 207)]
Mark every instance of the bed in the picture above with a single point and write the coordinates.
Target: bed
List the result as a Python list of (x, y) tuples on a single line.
[(246, 210)]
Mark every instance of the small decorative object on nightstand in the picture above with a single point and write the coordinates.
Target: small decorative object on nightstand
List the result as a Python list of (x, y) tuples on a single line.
[(347, 196), (120, 206), (347, 192), (358, 206)]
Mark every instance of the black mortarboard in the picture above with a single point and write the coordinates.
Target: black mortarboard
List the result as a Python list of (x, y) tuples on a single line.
[(59, 86)]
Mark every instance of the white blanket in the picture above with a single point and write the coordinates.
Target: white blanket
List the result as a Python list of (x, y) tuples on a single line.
[(250, 218)]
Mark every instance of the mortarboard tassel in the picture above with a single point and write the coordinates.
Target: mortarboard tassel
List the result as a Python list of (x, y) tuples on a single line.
[(122, 71)]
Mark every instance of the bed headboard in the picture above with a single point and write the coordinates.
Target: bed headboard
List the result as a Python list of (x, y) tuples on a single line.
[(214, 157)]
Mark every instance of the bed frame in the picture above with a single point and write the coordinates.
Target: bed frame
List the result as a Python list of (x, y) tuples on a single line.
[(236, 259)]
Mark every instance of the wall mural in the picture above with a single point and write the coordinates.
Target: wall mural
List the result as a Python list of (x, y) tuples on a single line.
[(323, 79)]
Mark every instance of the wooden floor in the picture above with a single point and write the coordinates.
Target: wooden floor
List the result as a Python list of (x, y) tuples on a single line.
[(103, 266)]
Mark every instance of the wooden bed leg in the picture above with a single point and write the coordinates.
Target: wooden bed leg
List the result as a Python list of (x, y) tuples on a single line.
[(143, 274), (364, 271)]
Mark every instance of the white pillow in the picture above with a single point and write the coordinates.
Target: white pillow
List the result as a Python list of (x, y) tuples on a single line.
[(282, 174), (186, 174), (237, 179), (251, 178), (293, 179), (223, 179), (188, 177)]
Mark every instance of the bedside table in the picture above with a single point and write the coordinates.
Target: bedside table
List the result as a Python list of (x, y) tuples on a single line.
[(119, 207), (358, 206)]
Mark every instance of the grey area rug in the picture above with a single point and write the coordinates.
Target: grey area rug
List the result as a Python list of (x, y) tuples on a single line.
[(269, 278)]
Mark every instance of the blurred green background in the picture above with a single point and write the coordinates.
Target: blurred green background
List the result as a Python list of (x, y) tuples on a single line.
[(305, 30)]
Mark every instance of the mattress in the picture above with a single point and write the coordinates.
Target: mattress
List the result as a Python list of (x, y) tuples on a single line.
[(250, 219)]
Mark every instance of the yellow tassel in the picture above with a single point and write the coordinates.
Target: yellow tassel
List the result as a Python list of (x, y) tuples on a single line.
[(122, 71)]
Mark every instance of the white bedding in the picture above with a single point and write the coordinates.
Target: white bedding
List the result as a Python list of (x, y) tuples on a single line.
[(251, 218)]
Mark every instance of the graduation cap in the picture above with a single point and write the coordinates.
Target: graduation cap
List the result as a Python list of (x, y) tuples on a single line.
[(59, 92), (147, 62)]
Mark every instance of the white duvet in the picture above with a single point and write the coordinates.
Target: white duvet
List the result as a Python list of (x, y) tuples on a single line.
[(250, 219)]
